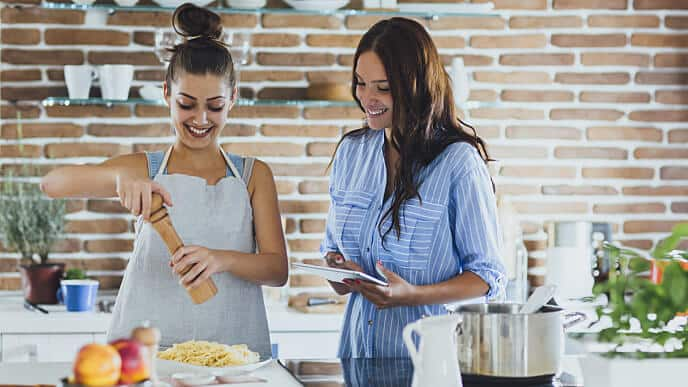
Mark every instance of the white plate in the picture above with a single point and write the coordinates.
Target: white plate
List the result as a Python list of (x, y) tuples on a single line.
[(338, 275), (317, 5), (166, 368), (193, 379)]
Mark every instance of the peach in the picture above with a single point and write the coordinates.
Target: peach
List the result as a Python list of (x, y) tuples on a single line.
[(97, 365), (135, 366)]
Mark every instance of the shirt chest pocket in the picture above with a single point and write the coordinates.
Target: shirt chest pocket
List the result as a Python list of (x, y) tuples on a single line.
[(351, 213), (419, 229)]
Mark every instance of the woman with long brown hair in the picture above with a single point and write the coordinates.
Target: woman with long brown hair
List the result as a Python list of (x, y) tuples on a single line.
[(412, 200)]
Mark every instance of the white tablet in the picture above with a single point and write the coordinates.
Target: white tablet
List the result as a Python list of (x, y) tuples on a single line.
[(338, 275)]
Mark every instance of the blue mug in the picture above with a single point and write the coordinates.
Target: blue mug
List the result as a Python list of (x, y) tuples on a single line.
[(78, 295)]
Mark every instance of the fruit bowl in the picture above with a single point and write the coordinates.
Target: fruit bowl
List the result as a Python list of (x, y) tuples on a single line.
[(65, 382)]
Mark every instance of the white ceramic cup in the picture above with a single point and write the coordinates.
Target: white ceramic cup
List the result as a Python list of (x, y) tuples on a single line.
[(460, 82), (78, 79), (115, 81)]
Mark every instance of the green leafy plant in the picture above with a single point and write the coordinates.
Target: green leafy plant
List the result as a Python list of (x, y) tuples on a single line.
[(632, 296), (74, 274), (29, 222)]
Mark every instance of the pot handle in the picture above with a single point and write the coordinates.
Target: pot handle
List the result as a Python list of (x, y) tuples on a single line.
[(574, 318)]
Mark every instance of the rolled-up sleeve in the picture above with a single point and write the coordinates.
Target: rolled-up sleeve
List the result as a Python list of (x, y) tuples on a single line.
[(475, 228), (328, 243)]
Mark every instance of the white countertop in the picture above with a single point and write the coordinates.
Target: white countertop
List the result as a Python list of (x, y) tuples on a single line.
[(51, 373), (14, 318)]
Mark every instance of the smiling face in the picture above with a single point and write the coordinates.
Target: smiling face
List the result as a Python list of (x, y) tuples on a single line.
[(198, 108), (372, 90)]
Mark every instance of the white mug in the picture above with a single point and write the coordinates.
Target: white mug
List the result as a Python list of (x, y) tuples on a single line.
[(460, 82), (78, 79), (115, 81)]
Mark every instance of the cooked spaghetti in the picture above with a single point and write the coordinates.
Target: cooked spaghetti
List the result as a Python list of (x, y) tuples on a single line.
[(210, 354)]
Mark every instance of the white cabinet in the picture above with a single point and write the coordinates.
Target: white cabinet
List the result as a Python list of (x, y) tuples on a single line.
[(100, 338), (306, 345), (62, 347)]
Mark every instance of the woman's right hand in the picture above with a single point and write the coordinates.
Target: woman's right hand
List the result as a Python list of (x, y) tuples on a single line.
[(337, 260), (135, 194)]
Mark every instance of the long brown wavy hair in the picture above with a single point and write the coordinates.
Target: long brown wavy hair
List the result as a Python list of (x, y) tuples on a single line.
[(424, 118)]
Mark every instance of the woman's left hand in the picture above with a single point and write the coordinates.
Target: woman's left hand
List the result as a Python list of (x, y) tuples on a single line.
[(203, 263), (397, 293)]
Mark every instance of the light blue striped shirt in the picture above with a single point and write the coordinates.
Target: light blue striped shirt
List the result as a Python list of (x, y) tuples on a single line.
[(454, 229)]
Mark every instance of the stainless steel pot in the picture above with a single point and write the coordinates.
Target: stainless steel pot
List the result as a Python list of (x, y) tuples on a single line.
[(497, 340)]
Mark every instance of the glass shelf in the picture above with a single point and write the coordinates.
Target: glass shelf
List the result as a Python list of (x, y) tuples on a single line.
[(471, 10), (64, 101)]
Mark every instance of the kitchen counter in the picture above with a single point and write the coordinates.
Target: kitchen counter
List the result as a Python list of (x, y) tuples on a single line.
[(331, 372), (399, 373), (14, 318), (48, 374)]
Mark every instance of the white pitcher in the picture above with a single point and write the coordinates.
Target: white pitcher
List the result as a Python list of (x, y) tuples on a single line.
[(435, 363)]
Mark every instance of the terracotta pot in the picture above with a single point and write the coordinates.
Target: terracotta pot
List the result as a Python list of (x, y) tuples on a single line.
[(40, 282)]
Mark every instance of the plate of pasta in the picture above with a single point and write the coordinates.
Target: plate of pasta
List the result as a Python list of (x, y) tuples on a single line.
[(210, 357)]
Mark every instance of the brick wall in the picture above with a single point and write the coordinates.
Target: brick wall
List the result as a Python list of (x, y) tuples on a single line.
[(588, 116)]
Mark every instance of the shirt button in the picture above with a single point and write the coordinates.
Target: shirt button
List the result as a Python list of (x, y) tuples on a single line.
[(370, 322), (367, 248)]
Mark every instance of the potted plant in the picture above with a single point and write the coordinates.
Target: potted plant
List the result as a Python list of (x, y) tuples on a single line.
[(75, 274), (30, 223), (646, 297)]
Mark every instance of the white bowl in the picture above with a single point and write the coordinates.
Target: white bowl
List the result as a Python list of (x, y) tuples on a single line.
[(126, 3), (317, 5), (176, 3), (246, 4), (84, 2), (151, 92)]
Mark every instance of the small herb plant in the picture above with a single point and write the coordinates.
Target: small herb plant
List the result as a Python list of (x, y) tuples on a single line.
[(75, 274), (29, 222)]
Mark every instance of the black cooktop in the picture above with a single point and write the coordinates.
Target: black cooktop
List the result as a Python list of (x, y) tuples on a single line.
[(390, 372)]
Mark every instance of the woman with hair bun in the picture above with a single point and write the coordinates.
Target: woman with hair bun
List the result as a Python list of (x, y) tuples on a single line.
[(223, 206)]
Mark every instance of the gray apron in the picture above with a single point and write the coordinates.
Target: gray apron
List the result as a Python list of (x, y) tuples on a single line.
[(213, 216)]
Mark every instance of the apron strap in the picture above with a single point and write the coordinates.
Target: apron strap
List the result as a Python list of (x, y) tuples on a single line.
[(248, 169), (163, 164), (229, 162)]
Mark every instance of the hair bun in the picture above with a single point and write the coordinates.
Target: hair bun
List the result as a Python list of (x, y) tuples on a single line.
[(190, 20)]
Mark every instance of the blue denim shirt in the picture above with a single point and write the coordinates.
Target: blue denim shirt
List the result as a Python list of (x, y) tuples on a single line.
[(453, 229)]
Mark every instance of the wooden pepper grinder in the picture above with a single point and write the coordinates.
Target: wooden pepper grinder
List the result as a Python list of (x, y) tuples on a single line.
[(163, 225), (150, 337)]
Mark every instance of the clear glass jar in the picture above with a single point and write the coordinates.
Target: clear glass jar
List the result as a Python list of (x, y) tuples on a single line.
[(517, 285)]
